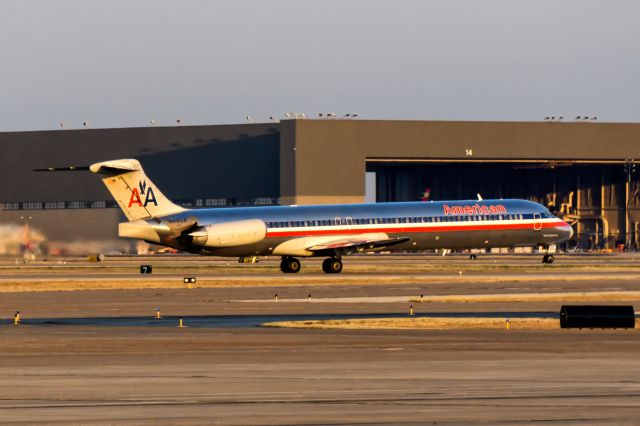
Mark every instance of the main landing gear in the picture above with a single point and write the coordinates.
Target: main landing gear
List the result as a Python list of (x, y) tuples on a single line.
[(332, 265), (548, 259), (290, 265)]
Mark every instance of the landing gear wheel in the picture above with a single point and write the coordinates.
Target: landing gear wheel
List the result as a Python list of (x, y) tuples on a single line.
[(290, 265), (332, 265), (548, 259), (473, 256)]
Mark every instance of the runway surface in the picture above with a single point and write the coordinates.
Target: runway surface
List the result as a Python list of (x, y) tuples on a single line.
[(99, 357)]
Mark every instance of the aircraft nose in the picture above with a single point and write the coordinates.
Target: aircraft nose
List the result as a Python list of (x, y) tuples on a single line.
[(569, 230)]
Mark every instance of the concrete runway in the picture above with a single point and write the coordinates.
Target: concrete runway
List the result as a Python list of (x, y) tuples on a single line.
[(99, 357)]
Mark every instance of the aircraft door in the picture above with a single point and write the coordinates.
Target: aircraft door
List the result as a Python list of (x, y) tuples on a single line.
[(346, 222), (537, 222)]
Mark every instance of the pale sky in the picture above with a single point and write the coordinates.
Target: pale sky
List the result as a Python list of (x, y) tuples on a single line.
[(124, 62)]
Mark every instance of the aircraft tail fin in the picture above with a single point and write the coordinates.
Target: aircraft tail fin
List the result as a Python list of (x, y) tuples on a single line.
[(136, 195)]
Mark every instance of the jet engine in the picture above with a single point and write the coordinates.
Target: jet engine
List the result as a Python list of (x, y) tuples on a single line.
[(230, 234)]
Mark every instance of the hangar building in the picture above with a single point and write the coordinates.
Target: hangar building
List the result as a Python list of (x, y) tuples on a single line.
[(583, 171)]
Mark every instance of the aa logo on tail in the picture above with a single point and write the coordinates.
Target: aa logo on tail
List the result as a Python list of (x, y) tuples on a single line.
[(136, 198)]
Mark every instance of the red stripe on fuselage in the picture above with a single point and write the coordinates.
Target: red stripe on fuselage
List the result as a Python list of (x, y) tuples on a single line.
[(404, 230)]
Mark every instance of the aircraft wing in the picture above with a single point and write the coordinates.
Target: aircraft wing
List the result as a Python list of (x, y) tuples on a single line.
[(356, 243)]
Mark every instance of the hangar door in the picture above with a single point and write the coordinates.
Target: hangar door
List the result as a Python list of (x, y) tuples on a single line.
[(592, 195)]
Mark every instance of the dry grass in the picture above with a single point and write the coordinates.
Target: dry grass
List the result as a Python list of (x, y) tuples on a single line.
[(591, 296), (422, 323), (26, 284)]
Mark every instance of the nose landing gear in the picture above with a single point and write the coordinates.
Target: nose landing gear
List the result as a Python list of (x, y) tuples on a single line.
[(332, 265), (290, 265), (548, 259)]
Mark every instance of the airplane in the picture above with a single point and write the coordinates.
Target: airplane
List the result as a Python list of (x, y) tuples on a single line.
[(330, 231)]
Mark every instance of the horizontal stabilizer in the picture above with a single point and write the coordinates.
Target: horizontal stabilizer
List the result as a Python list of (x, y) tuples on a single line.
[(63, 169), (116, 167), (134, 192)]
